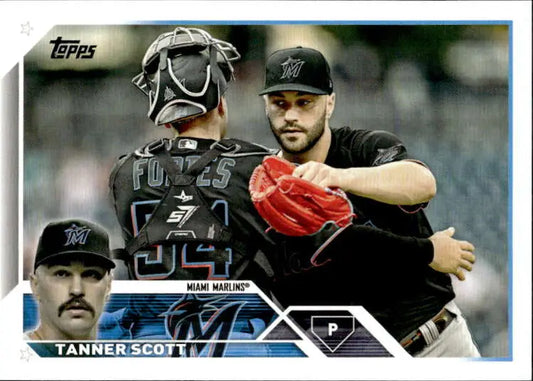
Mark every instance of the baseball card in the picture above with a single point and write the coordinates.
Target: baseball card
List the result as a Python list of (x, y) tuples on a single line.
[(266, 190)]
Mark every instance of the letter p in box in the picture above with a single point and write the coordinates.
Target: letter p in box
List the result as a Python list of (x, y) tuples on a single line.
[(332, 331)]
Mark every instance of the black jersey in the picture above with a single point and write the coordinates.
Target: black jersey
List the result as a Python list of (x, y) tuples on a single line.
[(401, 295), (366, 148), (138, 183)]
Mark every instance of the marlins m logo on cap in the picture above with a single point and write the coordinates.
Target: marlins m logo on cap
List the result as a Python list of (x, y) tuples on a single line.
[(291, 68), (74, 238), (297, 69), (77, 235)]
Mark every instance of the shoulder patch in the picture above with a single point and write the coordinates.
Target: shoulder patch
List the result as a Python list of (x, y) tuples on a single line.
[(386, 155), (114, 171)]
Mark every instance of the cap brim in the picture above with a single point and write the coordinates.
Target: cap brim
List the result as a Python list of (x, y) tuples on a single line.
[(98, 258), (178, 111), (293, 87)]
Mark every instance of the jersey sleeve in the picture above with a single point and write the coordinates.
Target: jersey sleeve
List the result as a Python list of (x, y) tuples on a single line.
[(366, 239), (382, 147), (358, 246), (356, 266), (117, 183), (114, 174)]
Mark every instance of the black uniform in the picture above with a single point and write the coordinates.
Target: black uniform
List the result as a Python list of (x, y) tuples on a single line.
[(369, 276), (139, 182), (393, 280)]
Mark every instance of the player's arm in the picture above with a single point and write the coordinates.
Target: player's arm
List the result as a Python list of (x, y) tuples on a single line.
[(384, 171), (315, 225), (367, 247), (402, 182)]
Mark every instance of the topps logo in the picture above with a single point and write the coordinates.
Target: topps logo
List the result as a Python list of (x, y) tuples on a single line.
[(71, 48)]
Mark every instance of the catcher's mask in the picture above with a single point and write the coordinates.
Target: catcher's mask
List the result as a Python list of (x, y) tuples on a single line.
[(184, 74)]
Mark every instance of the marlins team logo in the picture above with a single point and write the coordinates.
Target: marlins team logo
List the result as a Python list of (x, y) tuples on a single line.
[(291, 68), (386, 155), (191, 319), (77, 235)]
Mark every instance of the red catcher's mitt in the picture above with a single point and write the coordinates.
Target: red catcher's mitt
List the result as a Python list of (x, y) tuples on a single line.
[(293, 206)]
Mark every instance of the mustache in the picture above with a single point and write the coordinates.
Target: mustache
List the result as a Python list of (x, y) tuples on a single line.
[(75, 302), (289, 126)]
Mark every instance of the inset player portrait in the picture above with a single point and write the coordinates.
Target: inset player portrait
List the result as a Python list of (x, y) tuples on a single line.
[(71, 280)]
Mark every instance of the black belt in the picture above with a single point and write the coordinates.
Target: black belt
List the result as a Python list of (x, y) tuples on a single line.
[(415, 341)]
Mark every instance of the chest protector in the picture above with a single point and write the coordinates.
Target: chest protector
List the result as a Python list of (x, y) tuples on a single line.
[(183, 215)]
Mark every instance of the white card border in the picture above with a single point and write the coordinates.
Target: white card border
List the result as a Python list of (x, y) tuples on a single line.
[(15, 14)]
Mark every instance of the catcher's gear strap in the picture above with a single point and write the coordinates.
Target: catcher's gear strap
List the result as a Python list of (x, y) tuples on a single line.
[(182, 215)]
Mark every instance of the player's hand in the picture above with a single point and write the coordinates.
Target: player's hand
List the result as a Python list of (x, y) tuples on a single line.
[(320, 174), (450, 255)]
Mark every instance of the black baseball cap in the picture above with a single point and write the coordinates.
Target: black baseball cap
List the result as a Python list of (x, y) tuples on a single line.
[(74, 238), (297, 69)]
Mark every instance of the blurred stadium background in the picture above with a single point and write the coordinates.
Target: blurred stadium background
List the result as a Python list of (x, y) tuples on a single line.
[(442, 88)]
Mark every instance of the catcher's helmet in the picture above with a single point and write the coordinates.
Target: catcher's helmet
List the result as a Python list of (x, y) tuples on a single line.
[(184, 73)]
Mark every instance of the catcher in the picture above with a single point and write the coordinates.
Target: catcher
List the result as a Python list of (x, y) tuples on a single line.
[(388, 189), (183, 203)]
